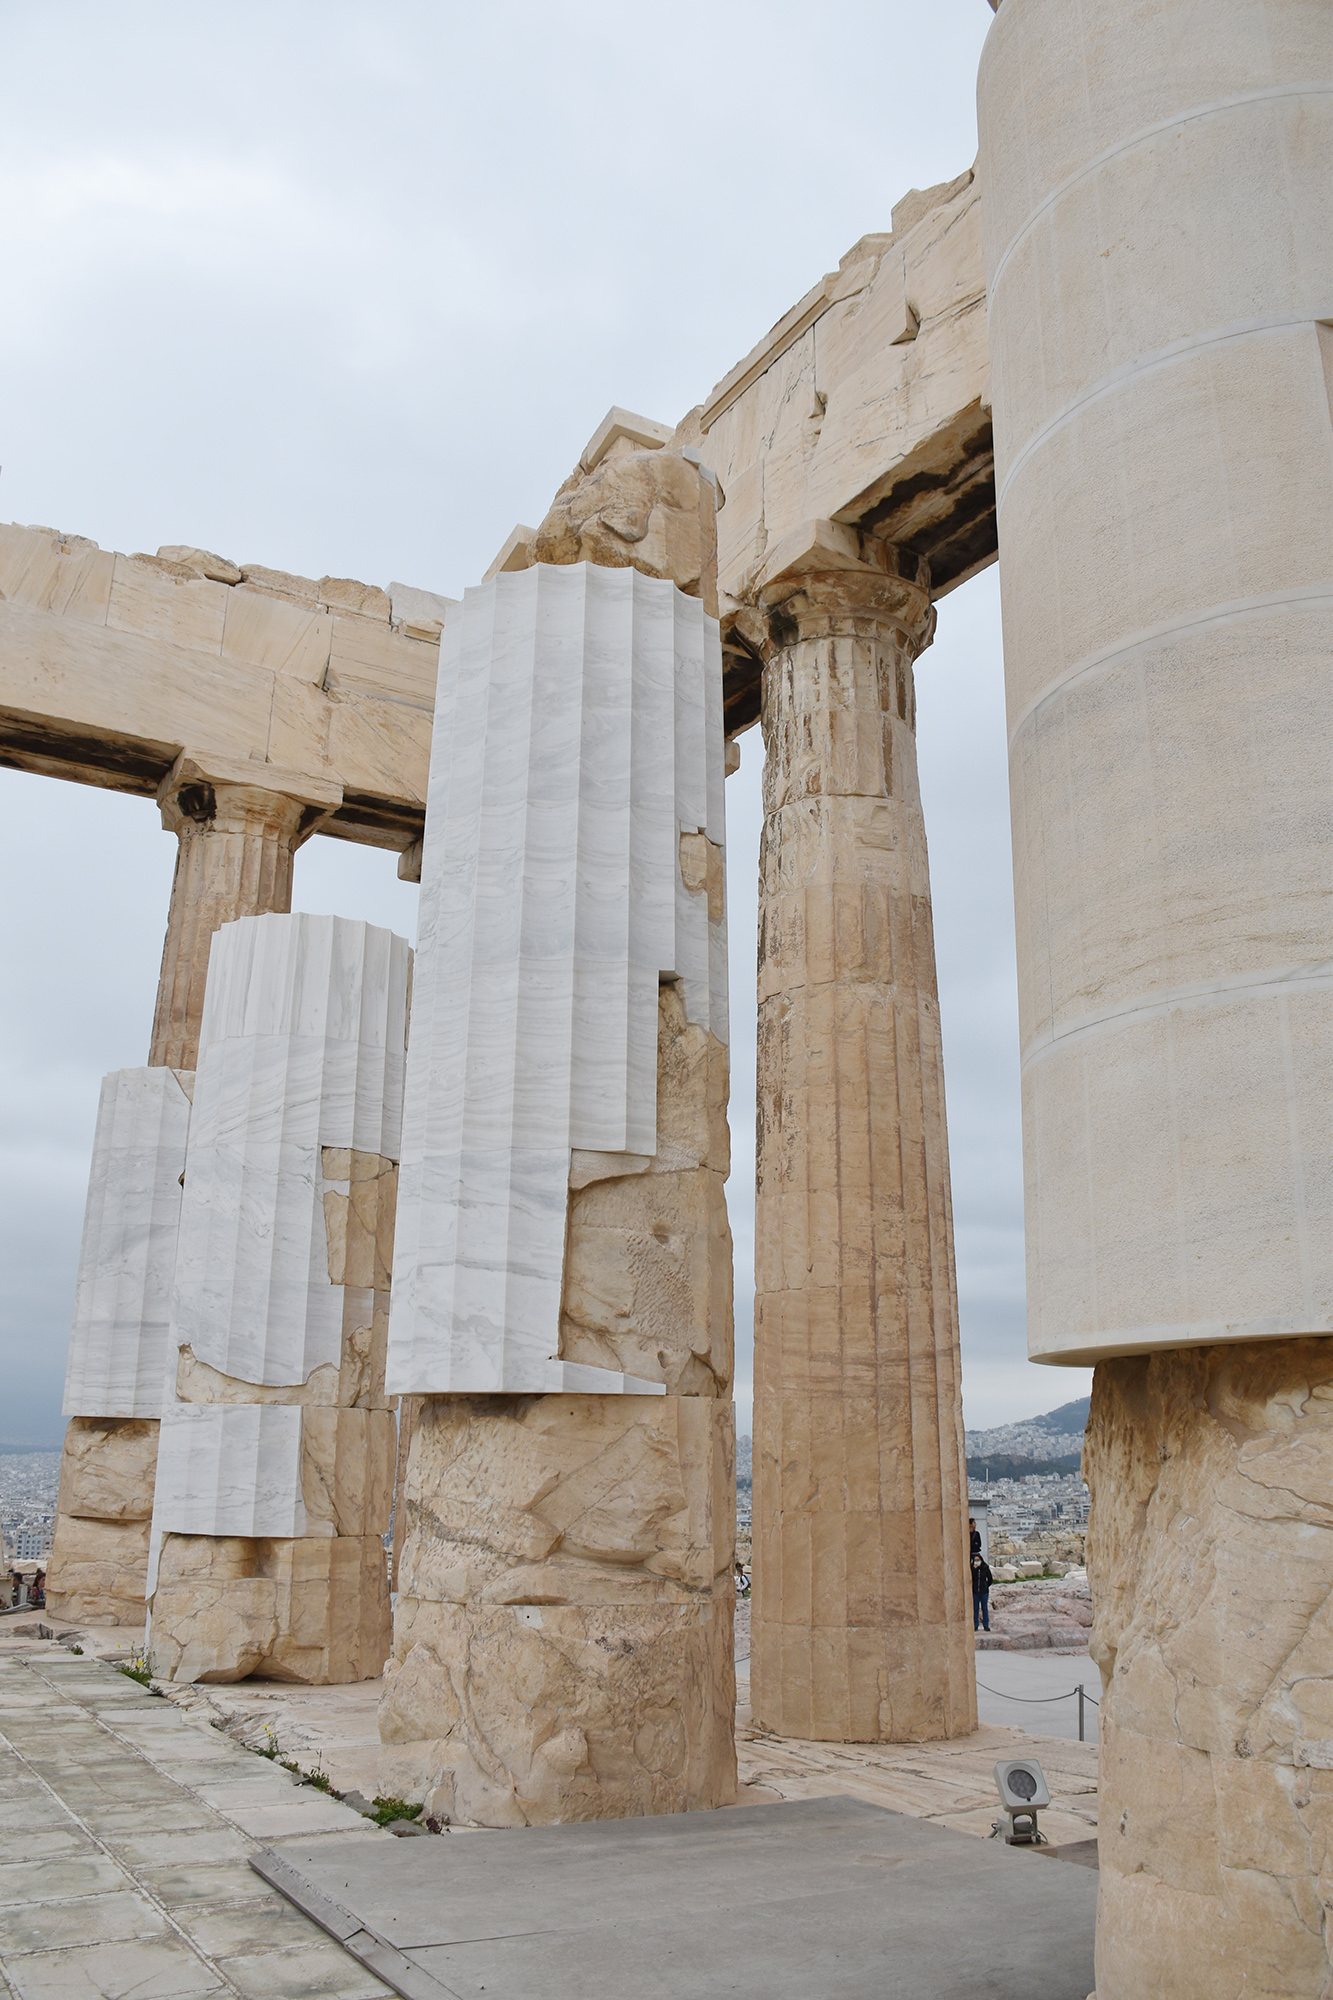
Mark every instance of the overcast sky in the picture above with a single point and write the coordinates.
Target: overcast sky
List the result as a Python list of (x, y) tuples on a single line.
[(344, 289)]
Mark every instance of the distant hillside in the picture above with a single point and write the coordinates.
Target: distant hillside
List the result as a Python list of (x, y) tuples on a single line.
[(1053, 1442), (1069, 1417), (744, 1460)]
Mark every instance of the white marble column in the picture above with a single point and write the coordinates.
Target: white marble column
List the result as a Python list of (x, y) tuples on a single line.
[(276, 1468), (119, 1347)]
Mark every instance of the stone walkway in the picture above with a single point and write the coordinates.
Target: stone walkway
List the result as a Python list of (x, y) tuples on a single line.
[(127, 1820), (125, 1832)]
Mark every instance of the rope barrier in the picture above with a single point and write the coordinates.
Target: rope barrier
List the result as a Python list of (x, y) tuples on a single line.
[(1038, 1700)]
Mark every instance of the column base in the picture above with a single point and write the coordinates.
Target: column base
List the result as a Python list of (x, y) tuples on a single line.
[(541, 1714), (564, 1640), (99, 1552), (1211, 1560), (313, 1610)]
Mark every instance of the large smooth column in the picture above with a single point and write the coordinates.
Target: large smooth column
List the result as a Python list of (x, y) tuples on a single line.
[(1159, 243), (237, 843), (861, 1613)]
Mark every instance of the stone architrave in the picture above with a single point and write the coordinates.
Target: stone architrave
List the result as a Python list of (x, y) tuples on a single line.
[(563, 1632), (276, 1470), (860, 1612), (119, 1348), (1159, 243)]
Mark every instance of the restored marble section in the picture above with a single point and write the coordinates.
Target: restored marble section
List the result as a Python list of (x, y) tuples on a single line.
[(119, 1347), (579, 740), (119, 1342), (1210, 1554), (280, 1437), (301, 1049)]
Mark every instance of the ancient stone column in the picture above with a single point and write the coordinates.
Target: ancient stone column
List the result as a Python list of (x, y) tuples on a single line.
[(1159, 245), (237, 840), (276, 1462), (861, 1615), (563, 1631), (119, 1348)]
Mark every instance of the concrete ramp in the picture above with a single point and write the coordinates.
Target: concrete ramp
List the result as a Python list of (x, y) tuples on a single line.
[(813, 1899)]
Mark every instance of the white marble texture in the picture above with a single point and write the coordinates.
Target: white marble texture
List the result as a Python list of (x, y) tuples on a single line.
[(228, 1469), (302, 1047), (119, 1341), (578, 734)]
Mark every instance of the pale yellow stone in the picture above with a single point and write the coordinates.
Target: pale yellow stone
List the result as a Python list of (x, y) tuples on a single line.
[(314, 1610), (860, 1629), (1210, 1554), (644, 510), (99, 1552), (107, 1468), (348, 1459), (98, 1569), (359, 1223), (563, 1641), (648, 1263)]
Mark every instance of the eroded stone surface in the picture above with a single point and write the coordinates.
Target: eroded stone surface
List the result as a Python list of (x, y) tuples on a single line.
[(562, 1646), (314, 1610), (99, 1552), (99, 1569), (1211, 1559), (648, 1264)]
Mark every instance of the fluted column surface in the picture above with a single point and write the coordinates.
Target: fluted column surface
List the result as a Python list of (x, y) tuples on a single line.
[(860, 1613), (235, 863)]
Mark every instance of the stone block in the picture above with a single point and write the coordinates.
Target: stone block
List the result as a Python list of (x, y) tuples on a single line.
[(107, 1468), (97, 1570), (311, 1610), (563, 1644), (359, 1222)]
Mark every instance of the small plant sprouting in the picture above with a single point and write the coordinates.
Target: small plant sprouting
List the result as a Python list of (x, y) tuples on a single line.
[(136, 1669), (388, 1809)]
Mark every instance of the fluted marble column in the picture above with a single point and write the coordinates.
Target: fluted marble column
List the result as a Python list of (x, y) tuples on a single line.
[(861, 1626), (237, 843)]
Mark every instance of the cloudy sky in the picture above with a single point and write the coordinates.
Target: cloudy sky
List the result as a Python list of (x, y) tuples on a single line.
[(344, 288)]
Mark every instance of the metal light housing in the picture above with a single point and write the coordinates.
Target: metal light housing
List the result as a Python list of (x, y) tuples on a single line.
[(1023, 1791)]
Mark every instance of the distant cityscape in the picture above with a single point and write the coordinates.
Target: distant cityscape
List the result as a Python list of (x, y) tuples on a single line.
[(1028, 1472), (28, 1482)]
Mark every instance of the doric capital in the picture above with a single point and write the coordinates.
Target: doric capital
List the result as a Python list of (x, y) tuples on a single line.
[(238, 795), (827, 577)]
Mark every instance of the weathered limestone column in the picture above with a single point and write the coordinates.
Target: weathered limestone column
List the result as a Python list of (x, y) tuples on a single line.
[(861, 1618), (1159, 244), (237, 840), (563, 1636)]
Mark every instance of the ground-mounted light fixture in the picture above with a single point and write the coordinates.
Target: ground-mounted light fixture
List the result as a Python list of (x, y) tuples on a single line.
[(1023, 1791)]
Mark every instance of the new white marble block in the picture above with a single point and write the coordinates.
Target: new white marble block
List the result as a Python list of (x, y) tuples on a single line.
[(301, 1048), (119, 1342), (229, 1469), (578, 736)]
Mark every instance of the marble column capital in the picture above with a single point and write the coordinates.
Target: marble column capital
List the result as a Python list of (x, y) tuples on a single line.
[(226, 795), (828, 579)]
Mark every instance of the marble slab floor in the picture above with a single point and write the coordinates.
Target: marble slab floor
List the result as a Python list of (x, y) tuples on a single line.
[(125, 1832)]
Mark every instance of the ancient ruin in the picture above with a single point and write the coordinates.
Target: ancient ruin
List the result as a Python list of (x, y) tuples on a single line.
[(1138, 275), (1159, 250)]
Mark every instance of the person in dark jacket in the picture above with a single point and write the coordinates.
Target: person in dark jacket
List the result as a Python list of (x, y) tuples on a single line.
[(981, 1581)]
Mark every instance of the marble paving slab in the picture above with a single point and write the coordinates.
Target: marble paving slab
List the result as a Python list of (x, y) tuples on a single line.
[(831, 1897)]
